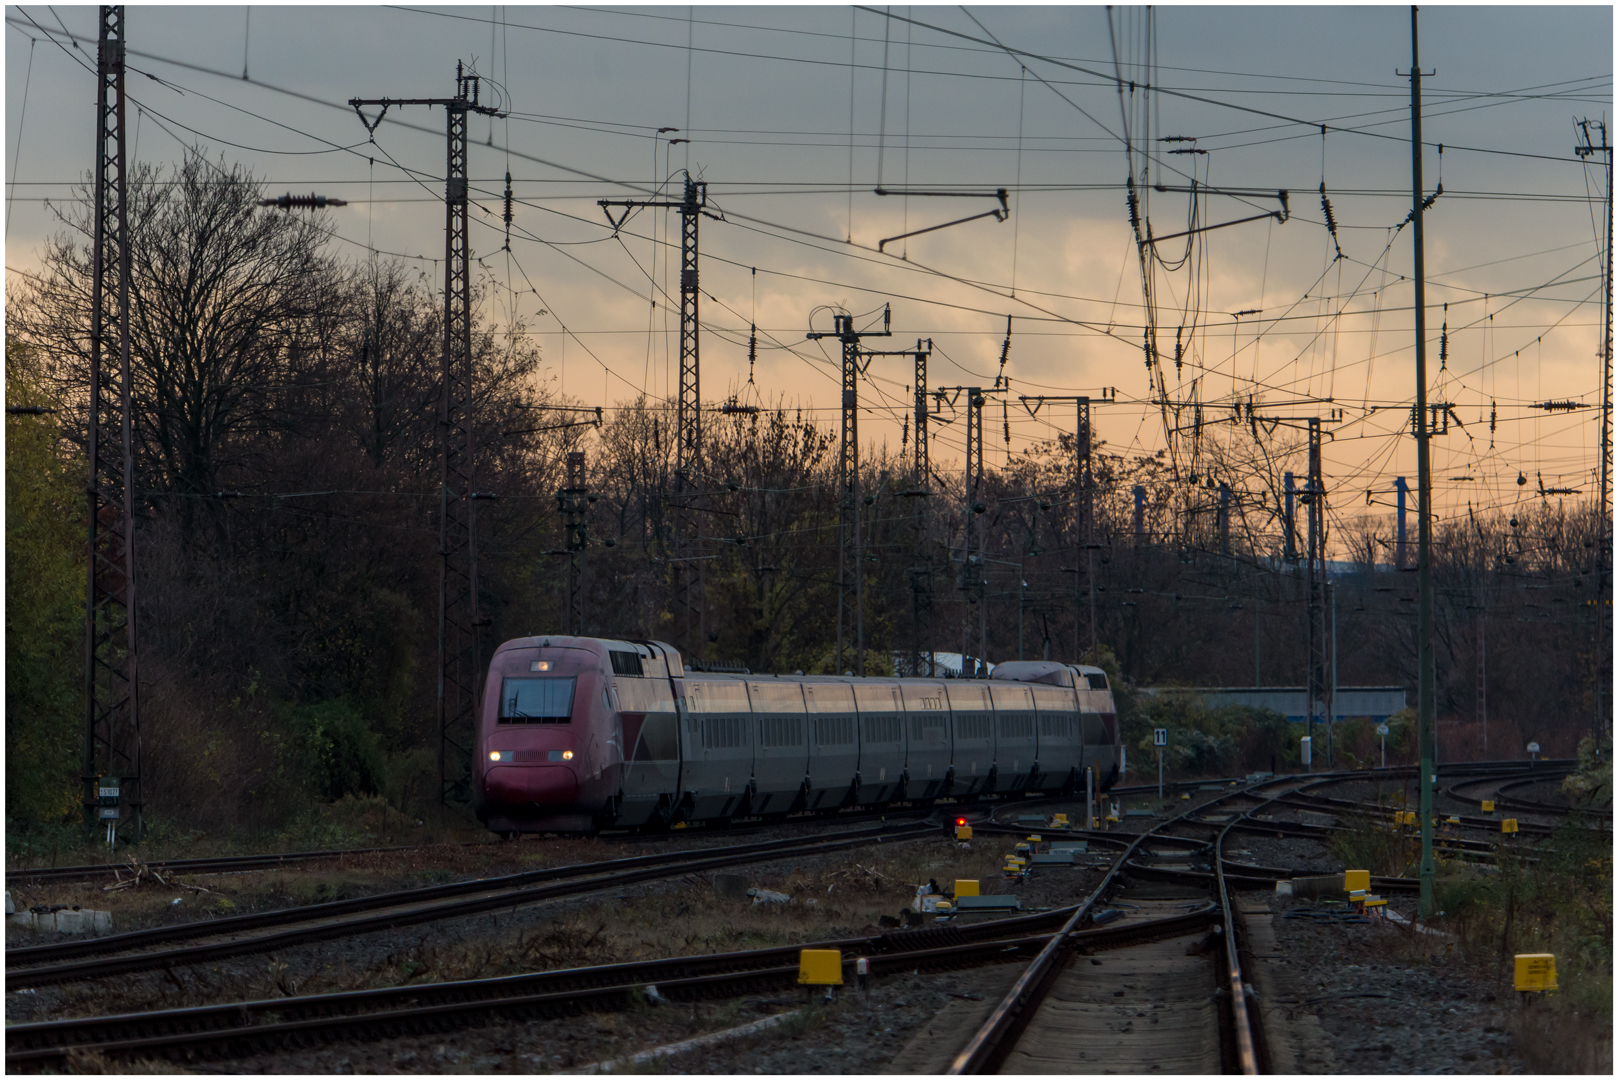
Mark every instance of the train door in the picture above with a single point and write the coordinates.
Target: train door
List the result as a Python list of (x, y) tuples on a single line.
[(973, 720), (719, 765), (928, 753), (834, 743), (1015, 744), (882, 741), (1060, 751), (781, 754)]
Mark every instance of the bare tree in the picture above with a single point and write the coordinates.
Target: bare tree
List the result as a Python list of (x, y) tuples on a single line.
[(223, 294)]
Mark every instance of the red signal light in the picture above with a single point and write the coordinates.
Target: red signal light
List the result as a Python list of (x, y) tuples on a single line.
[(960, 821)]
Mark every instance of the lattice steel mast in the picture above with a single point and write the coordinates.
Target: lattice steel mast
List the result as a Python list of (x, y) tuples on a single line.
[(688, 408), (458, 616), (851, 595), (112, 685)]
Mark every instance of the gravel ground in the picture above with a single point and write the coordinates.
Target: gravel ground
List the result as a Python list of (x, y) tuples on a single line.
[(832, 896), (857, 1034), (1458, 1026), (1391, 1001)]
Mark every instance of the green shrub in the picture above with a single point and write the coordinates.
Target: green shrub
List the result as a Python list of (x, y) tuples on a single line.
[(338, 752), (1209, 741), (44, 606)]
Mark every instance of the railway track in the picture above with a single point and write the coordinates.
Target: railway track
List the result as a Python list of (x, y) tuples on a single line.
[(1504, 801), (246, 1027), (86, 958), (1180, 912), (224, 864), (1029, 1016), (1063, 1015)]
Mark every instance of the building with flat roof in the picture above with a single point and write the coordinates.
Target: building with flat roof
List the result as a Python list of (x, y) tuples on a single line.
[(1375, 703)]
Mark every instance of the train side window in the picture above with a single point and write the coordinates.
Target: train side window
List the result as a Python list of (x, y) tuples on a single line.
[(544, 700), (625, 662), (1097, 682)]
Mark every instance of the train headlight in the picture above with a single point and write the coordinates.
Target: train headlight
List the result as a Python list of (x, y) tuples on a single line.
[(494, 755), (567, 755)]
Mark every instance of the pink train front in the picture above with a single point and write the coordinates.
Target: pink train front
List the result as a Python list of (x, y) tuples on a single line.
[(579, 734)]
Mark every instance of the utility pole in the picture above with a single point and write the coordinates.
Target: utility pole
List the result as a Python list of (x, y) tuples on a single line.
[(111, 673), (1331, 700), (1315, 584), (688, 409), (1603, 597), (1425, 675), (574, 502), (921, 574), (1291, 519), (1483, 699), (851, 597), (459, 620), (1084, 502), (1399, 547), (972, 580)]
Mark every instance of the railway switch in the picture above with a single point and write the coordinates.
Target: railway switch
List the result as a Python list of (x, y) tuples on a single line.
[(1536, 972)]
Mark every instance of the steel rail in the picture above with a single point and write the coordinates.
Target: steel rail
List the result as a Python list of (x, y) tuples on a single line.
[(596, 880), (984, 1049), (260, 1023), (986, 1043), (304, 913), (212, 865)]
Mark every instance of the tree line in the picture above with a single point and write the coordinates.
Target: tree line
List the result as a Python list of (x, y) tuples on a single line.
[(286, 406)]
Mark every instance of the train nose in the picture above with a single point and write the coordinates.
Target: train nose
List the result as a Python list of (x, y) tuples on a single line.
[(542, 784)]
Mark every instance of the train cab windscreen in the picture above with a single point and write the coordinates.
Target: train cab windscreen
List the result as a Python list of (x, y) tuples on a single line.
[(543, 700)]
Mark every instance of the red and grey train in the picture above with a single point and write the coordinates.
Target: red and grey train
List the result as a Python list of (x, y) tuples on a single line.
[(578, 734)]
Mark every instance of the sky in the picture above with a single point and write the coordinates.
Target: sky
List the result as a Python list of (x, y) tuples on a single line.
[(793, 116)]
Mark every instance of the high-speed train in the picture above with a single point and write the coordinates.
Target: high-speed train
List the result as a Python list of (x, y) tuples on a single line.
[(578, 734)]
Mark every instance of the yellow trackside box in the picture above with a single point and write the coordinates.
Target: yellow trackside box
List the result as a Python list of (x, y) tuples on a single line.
[(1359, 880), (963, 832), (1059, 821), (1536, 971), (820, 967), (1488, 806), (1509, 825), (966, 887)]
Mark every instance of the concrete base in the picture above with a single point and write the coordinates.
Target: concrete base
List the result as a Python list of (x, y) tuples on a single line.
[(84, 921)]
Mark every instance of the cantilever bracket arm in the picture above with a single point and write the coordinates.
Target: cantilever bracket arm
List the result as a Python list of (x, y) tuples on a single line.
[(999, 215), (1280, 215)]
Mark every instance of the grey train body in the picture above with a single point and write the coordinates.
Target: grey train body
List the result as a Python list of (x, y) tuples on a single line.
[(577, 734)]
